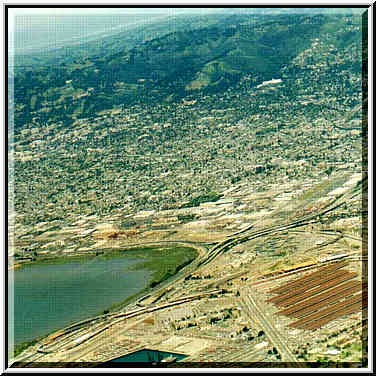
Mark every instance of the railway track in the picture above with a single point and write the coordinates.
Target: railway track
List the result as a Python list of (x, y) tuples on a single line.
[(314, 288), (298, 282), (320, 265), (304, 286), (206, 257), (232, 241), (331, 311), (116, 318), (323, 303), (308, 294), (345, 311), (94, 344), (315, 302)]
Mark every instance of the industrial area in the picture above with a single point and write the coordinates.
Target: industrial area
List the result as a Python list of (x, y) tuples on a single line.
[(247, 300), (190, 191)]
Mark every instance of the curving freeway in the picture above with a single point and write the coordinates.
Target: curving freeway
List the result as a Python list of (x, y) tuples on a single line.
[(206, 256)]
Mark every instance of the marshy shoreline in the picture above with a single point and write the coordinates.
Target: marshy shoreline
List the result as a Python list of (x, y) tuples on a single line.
[(162, 261)]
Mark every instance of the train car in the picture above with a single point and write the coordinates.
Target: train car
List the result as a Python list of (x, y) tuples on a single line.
[(55, 335), (288, 269), (298, 266)]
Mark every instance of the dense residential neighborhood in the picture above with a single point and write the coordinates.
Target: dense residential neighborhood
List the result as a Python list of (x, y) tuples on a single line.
[(232, 160)]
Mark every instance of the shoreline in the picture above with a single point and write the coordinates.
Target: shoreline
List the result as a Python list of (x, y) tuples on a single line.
[(106, 253), (159, 273)]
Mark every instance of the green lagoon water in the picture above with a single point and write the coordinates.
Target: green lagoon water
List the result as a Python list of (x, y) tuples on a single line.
[(50, 297)]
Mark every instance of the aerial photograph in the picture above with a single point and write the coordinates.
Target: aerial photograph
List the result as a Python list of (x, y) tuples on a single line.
[(186, 187)]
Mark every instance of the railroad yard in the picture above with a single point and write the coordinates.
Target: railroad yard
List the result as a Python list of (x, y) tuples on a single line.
[(194, 190), (287, 288)]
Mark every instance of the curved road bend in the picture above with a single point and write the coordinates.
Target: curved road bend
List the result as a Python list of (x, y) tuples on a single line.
[(217, 249)]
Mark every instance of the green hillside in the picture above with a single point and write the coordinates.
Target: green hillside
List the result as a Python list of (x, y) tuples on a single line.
[(186, 62)]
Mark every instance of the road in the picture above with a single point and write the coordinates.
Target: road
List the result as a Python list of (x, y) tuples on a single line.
[(277, 339), (88, 338), (206, 257), (250, 234), (98, 343)]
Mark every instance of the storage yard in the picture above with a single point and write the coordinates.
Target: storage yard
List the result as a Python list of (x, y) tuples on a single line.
[(321, 297), (280, 290)]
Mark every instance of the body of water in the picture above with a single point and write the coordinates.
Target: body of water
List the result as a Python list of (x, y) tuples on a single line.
[(50, 297), (146, 356)]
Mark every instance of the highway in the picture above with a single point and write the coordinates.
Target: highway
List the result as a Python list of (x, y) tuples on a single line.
[(255, 312), (120, 316), (92, 345), (205, 257), (246, 235)]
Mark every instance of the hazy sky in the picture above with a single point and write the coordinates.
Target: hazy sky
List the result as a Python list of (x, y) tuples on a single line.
[(95, 11), (105, 11), (82, 11), (90, 11)]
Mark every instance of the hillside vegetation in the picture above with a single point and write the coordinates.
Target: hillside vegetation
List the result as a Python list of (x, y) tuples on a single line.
[(186, 62), (101, 138)]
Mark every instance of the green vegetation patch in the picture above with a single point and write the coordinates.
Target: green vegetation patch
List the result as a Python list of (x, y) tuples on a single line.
[(19, 348), (166, 262), (208, 197), (163, 262), (186, 217)]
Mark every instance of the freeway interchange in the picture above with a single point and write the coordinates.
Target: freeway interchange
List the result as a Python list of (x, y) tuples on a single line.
[(83, 334)]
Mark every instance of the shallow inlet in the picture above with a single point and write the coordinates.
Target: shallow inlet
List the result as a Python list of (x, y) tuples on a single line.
[(50, 297), (146, 356)]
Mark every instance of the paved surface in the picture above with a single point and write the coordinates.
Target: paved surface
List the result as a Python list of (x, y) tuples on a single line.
[(81, 353), (206, 256), (255, 312)]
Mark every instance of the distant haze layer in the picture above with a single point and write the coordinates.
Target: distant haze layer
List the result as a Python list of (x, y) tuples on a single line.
[(50, 28), (34, 32)]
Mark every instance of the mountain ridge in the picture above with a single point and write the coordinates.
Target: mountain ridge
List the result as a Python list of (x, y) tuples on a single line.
[(171, 67)]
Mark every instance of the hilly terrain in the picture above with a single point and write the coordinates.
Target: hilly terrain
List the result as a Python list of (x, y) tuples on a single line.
[(193, 62), (121, 37), (180, 117), (241, 136)]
